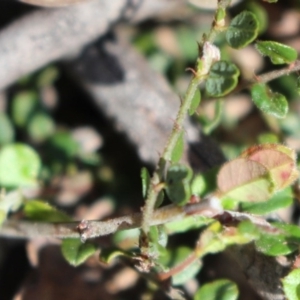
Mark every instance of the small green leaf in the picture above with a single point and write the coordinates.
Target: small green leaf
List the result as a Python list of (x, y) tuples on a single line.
[(75, 252), (291, 285), (40, 127), (274, 245), (63, 145), (160, 199), (158, 235), (19, 166), (268, 138), (47, 76), (178, 184), (186, 224), (23, 106), (7, 132), (195, 102), (41, 211), (126, 239), (274, 104), (178, 149), (279, 200), (108, 255), (158, 241), (220, 14), (280, 164), (215, 238), (277, 52), (204, 183), (284, 242), (145, 176), (221, 289), (261, 14), (210, 240), (222, 78), (245, 180), (243, 29)]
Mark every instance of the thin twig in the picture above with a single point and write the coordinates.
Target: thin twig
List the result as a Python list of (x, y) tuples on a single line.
[(264, 78), (267, 77), (92, 229), (202, 68)]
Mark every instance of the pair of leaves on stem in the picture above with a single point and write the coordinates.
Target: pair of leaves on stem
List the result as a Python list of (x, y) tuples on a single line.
[(223, 75), (258, 173), (243, 30), (178, 186)]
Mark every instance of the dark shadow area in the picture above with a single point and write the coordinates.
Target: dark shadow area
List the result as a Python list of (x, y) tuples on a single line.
[(14, 268)]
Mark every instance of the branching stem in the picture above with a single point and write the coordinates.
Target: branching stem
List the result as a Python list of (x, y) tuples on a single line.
[(92, 229), (202, 68)]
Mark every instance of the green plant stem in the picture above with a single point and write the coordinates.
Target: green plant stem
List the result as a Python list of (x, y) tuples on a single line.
[(203, 66), (218, 25), (178, 125), (167, 153)]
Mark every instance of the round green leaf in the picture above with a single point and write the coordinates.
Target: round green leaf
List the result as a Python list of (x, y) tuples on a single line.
[(7, 132), (261, 14), (23, 106), (40, 127), (221, 289), (279, 200), (63, 145), (291, 285), (278, 53), (178, 184), (245, 180), (222, 78), (75, 252), (242, 30), (274, 104), (19, 165), (47, 76), (282, 243), (279, 161), (274, 245)]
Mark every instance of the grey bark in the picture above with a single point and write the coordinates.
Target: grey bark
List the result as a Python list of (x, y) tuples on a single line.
[(47, 35)]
